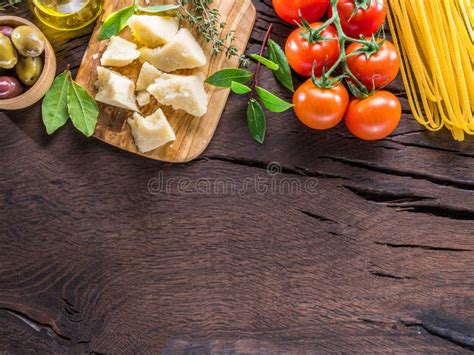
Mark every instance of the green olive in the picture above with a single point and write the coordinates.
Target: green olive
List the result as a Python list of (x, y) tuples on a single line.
[(29, 69), (8, 54), (27, 41)]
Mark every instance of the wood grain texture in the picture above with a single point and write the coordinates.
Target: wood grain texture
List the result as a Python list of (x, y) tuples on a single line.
[(95, 258), (193, 134)]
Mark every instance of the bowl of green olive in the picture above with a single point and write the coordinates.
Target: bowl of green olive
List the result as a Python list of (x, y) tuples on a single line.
[(27, 63)]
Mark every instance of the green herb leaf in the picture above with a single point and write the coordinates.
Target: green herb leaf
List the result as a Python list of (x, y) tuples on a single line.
[(239, 89), (224, 78), (267, 62), (54, 107), (156, 9), (256, 121), (283, 74), (82, 109), (272, 102), (116, 22)]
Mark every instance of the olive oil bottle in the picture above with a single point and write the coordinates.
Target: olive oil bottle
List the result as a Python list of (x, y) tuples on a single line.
[(66, 15)]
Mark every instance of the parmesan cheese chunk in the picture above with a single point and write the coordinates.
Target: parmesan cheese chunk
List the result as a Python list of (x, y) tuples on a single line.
[(143, 98), (182, 92), (182, 52), (119, 53), (115, 90), (148, 75), (151, 132), (153, 31)]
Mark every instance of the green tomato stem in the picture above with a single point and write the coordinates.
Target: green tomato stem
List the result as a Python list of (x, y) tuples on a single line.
[(343, 38)]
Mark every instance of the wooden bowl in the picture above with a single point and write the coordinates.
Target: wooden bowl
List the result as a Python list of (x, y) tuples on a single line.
[(32, 94)]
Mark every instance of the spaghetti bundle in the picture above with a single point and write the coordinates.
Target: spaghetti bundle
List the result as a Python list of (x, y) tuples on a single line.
[(436, 41)]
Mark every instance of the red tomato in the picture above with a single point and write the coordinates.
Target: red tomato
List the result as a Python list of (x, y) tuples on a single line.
[(311, 10), (375, 117), (364, 22), (302, 54), (320, 108), (379, 70)]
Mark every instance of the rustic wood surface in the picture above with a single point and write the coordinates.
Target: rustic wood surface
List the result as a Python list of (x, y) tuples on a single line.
[(193, 134), (374, 254)]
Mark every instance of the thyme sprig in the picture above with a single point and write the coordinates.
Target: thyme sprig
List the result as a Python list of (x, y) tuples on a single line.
[(7, 3), (208, 23)]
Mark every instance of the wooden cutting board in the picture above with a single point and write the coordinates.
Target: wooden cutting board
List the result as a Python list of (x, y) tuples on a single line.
[(193, 133)]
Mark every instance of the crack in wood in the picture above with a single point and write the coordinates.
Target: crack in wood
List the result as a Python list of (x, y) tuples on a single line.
[(436, 210), (409, 133), (412, 203), (380, 196), (317, 216), (39, 327), (454, 337), (391, 276), (378, 322), (424, 146), (423, 247), (302, 172), (439, 180)]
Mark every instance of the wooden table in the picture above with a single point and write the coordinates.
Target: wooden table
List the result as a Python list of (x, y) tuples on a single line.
[(342, 246)]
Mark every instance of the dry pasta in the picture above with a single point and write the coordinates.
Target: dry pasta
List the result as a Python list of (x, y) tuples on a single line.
[(436, 42)]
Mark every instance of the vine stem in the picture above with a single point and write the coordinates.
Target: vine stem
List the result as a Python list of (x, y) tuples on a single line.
[(259, 65), (343, 38)]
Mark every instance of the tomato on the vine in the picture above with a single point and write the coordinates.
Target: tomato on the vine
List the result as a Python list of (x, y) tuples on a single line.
[(375, 117), (377, 71), (302, 54), (356, 22), (320, 108), (311, 10)]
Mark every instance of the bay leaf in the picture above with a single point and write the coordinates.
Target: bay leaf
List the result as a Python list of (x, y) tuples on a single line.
[(272, 102), (116, 22), (265, 61), (283, 74), (224, 78), (239, 89), (256, 121), (54, 108), (82, 109)]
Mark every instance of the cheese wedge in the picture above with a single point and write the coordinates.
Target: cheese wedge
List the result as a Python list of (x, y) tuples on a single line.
[(148, 75), (115, 90), (181, 92), (119, 53), (182, 52), (151, 132), (143, 98), (153, 31)]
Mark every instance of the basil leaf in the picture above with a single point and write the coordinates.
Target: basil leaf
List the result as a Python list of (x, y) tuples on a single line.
[(272, 102), (283, 74), (267, 62), (157, 9), (256, 121), (54, 107), (224, 78), (239, 89), (82, 109), (115, 22)]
